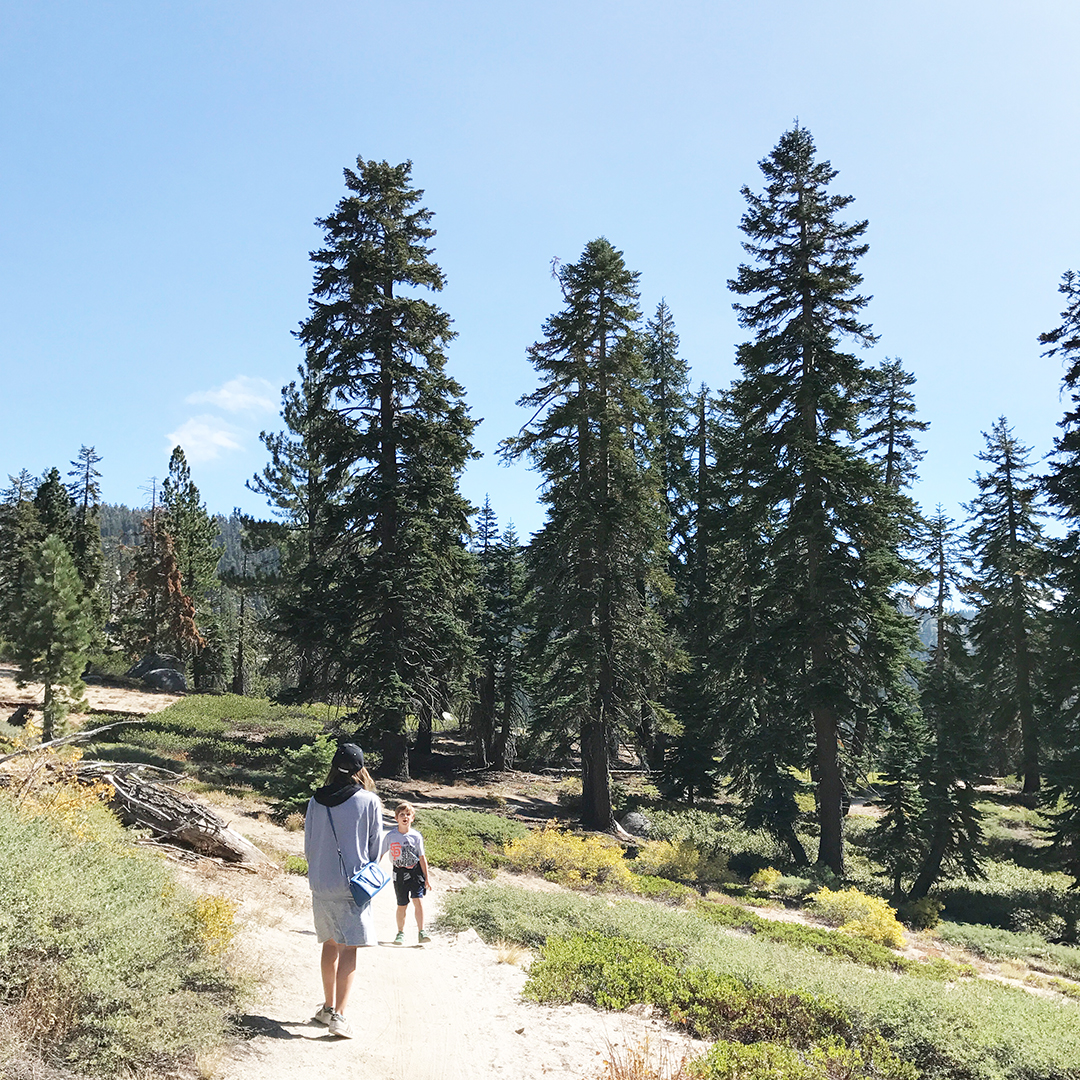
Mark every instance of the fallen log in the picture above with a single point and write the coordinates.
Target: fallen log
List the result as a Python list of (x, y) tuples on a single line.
[(169, 815)]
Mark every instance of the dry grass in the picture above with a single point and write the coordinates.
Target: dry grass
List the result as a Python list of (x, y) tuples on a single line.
[(644, 1061), (294, 822), (509, 952)]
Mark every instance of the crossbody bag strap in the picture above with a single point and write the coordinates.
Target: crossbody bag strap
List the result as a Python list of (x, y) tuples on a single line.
[(337, 842)]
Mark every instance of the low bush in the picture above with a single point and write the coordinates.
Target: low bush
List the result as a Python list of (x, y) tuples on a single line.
[(992, 943), (105, 964), (1015, 898), (921, 914), (662, 889), (859, 915), (679, 862), (966, 1029), (765, 880), (575, 861), (466, 840), (613, 972), (221, 737), (827, 942), (830, 1059)]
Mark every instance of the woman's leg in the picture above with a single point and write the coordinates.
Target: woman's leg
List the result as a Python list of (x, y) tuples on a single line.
[(329, 967), (346, 969)]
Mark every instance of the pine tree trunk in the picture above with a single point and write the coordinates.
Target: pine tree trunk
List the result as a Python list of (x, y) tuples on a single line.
[(830, 792), (931, 867), (395, 755), (596, 810), (1029, 731)]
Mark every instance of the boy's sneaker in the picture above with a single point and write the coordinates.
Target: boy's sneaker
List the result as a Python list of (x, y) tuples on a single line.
[(340, 1026), (323, 1016), (399, 938), (423, 937)]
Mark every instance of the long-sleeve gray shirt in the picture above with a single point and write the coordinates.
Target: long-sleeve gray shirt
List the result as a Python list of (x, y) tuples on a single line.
[(358, 822)]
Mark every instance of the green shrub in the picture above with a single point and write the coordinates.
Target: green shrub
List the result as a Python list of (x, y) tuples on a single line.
[(765, 880), (613, 972), (575, 861), (871, 1059), (996, 944), (222, 737), (921, 914), (296, 864), (108, 964), (466, 841), (662, 889), (967, 1029), (859, 915), (303, 770), (1014, 898), (679, 862)]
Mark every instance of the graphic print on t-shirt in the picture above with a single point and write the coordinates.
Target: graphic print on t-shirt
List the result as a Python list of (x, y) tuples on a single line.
[(405, 850)]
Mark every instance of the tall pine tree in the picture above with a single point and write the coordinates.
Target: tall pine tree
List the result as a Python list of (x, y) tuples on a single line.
[(824, 611), (52, 630), (375, 347), (599, 562), (1062, 483), (1009, 590)]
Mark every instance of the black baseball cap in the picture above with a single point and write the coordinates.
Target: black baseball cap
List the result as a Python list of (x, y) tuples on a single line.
[(348, 758)]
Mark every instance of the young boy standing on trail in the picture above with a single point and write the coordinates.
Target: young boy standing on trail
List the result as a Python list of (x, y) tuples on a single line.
[(411, 881)]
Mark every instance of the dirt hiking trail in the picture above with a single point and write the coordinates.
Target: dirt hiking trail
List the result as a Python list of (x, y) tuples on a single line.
[(448, 1010)]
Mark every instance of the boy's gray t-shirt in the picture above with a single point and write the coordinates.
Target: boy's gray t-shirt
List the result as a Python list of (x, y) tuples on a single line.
[(406, 849)]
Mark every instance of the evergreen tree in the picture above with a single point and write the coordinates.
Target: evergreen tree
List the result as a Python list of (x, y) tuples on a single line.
[(18, 527), (54, 507), (193, 531), (1010, 594), (668, 391), (158, 615), (52, 631), (599, 562), (1062, 484), (949, 825), (86, 549), (833, 641), (376, 349), (306, 482), (889, 422), (499, 694)]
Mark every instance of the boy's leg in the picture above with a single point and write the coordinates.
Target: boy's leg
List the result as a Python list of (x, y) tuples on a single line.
[(401, 918), (418, 911), (346, 969), (329, 967)]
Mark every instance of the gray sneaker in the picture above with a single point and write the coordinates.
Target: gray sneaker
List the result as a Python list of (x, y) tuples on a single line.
[(340, 1026), (323, 1016)]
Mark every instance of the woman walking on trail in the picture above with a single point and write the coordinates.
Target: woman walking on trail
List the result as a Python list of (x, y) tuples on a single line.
[(342, 831)]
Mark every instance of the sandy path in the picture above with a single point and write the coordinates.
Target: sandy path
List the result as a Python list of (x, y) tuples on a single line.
[(444, 1011)]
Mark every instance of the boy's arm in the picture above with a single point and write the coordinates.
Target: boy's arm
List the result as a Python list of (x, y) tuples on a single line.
[(423, 866)]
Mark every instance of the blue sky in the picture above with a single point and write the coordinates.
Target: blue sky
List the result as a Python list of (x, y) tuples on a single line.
[(163, 164)]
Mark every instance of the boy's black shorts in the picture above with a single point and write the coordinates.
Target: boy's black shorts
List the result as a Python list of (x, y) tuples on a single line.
[(408, 883)]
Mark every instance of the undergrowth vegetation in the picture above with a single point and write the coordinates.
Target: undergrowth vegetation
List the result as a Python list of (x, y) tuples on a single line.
[(106, 966), (963, 1029), (467, 840), (224, 738)]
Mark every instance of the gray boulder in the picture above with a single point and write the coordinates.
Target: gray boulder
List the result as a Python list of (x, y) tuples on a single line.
[(166, 679), (635, 824), (155, 662)]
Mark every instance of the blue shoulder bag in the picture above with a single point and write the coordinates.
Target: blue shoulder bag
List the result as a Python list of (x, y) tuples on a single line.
[(367, 881)]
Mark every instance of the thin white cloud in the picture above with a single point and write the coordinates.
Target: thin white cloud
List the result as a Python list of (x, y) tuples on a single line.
[(242, 394), (204, 438)]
